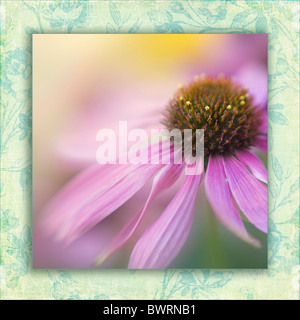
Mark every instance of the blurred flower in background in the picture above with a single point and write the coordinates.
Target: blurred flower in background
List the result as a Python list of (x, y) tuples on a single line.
[(125, 77)]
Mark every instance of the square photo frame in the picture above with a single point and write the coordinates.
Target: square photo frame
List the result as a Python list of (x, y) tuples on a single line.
[(21, 21)]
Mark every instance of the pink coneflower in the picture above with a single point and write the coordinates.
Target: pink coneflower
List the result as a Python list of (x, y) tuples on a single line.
[(235, 178)]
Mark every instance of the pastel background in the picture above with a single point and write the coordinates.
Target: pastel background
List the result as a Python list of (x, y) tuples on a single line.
[(21, 19)]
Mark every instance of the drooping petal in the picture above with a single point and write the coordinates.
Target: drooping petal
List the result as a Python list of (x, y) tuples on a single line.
[(103, 203), (250, 194), (162, 181), (254, 164), (221, 200), (94, 194), (163, 240), (77, 191)]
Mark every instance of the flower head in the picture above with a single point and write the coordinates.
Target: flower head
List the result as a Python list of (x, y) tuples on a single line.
[(235, 178), (222, 108)]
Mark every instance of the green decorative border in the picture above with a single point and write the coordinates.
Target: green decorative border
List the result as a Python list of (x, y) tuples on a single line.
[(21, 19)]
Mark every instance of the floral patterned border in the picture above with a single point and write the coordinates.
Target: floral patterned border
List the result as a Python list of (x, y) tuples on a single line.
[(21, 19)]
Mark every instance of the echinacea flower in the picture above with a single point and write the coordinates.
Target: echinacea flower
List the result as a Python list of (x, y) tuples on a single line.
[(234, 122)]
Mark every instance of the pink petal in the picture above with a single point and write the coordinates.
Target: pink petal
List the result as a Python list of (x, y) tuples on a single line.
[(250, 194), (101, 204), (221, 200), (78, 145), (77, 191), (163, 180), (163, 240), (254, 164), (94, 194)]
